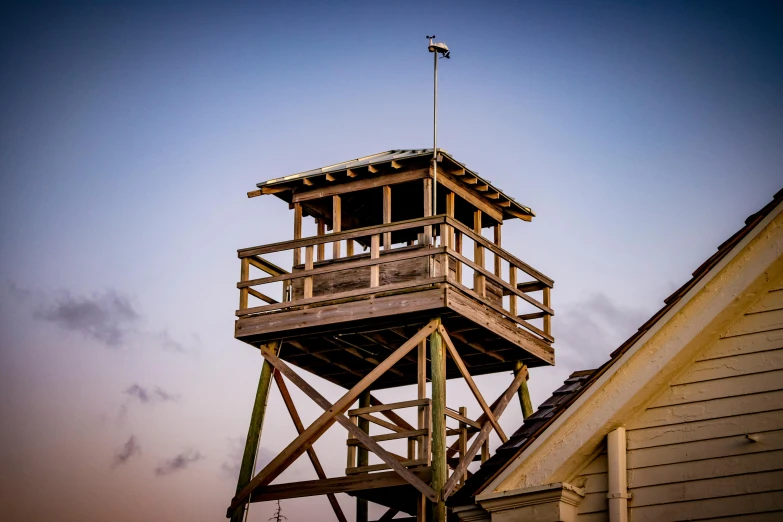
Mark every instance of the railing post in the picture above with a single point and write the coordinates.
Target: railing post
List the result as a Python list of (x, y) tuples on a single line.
[(308, 281), (297, 231), (498, 259), (458, 249), (375, 270), (244, 275), (387, 217), (547, 317), (337, 224), (321, 230), (479, 282), (428, 209), (512, 280)]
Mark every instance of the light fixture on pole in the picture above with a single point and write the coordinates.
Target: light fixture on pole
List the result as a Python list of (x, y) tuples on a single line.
[(435, 49)]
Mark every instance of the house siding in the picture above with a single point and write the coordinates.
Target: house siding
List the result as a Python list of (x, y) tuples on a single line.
[(689, 453), (593, 508)]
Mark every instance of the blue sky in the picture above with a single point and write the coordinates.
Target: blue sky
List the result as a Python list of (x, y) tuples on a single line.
[(641, 133)]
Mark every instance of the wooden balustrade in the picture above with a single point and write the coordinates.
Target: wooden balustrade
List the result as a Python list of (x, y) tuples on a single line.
[(428, 262)]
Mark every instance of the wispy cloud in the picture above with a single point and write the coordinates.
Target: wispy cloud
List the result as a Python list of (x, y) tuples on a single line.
[(106, 317), (236, 449), (147, 396), (128, 450), (586, 332), (178, 463)]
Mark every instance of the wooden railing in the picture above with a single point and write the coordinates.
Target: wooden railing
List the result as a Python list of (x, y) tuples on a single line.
[(439, 245)]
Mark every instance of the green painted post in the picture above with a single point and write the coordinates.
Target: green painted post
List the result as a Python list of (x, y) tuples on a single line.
[(254, 431), (524, 394), (439, 469), (363, 457)]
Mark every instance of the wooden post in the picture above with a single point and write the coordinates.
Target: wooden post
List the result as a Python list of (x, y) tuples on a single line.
[(458, 249), (387, 217), (524, 394), (479, 285), (308, 281), (439, 469), (321, 226), (448, 232), (363, 456), (463, 441), (337, 224), (244, 275), (297, 231), (375, 270), (254, 431), (427, 209), (498, 259), (424, 449), (512, 280), (547, 317)]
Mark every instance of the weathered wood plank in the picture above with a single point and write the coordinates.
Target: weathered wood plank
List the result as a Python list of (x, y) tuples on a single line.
[(310, 488), (483, 315), (389, 406), (467, 194), (361, 184), (340, 313)]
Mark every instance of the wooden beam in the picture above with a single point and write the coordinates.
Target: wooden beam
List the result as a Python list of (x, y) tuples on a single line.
[(396, 419), (309, 488), (471, 384), (372, 169), (439, 468), (468, 195), (482, 436), (375, 269), (350, 234), (359, 184), (297, 232), (390, 514), (254, 193), (329, 177), (320, 225), (254, 433), (395, 165), (351, 173), (332, 414), (319, 470), (337, 224), (479, 282), (387, 215), (524, 393), (390, 406), (363, 457), (497, 229), (306, 182)]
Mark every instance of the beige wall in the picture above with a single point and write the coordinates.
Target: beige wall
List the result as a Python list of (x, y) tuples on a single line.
[(595, 480), (688, 454)]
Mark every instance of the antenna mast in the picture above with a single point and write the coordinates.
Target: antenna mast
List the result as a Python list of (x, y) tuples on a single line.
[(443, 49)]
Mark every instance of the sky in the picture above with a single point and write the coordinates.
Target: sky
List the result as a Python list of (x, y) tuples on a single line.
[(641, 133)]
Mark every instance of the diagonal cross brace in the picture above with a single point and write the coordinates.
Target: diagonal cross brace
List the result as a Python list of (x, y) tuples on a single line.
[(319, 470), (352, 428), (482, 436), (472, 385), (330, 416)]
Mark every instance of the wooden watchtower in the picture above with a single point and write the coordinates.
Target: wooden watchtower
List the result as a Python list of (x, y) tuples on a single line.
[(387, 293)]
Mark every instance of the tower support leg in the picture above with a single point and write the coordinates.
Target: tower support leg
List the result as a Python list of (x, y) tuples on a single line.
[(439, 469), (363, 456), (254, 430), (524, 394)]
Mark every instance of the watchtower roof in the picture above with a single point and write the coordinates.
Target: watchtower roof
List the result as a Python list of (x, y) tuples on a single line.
[(391, 160)]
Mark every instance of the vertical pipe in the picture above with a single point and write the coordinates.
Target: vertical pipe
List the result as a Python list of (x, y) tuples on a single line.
[(438, 375), (435, 139), (363, 456), (618, 477), (254, 432)]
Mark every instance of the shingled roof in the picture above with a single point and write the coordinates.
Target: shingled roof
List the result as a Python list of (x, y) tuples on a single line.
[(580, 381)]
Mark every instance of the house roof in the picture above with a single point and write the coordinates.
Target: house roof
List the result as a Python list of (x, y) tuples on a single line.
[(578, 382), (476, 183)]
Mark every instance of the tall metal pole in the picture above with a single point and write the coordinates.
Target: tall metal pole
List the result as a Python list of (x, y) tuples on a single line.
[(435, 142)]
